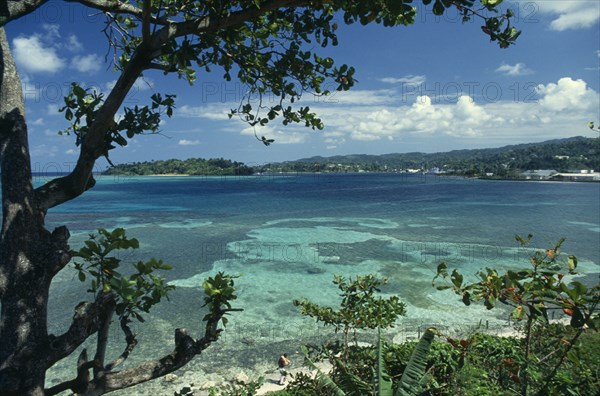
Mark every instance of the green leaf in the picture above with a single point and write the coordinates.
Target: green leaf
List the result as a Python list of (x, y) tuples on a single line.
[(78, 91), (577, 319), (518, 313), (572, 263), (438, 8), (579, 288), (490, 302), (491, 3), (466, 298), (442, 269), (456, 279), (383, 383), (573, 356), (410, 382)]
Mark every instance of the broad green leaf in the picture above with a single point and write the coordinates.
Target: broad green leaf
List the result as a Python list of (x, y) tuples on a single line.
[(383, 383), (456, 279), (410, 382)]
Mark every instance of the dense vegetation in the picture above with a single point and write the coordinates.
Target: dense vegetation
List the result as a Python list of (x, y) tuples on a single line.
[(561, 155), (543, 358), (192, 166), (479, 365)]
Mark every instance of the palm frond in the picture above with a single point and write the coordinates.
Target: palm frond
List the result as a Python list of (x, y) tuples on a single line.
[(415, 370)]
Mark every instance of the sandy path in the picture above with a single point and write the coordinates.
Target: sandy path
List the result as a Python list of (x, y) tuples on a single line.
[(272, 384)]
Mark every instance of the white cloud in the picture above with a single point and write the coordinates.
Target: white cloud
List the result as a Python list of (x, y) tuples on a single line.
[(559, 108), (575, 20), (86, 63), (34, 57), (52, 109), (52, 31), (468, 113), (333, 143), (289, 136), (553, 110), (39, 121), (518, 69), (409, 80), (566, 14), (567, 94), (43, 150), (185, 142), (71, 152), (360, 97), (211, 111), (463, 118), (73, 44)]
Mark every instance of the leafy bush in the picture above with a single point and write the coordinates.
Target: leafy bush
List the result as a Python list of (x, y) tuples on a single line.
[(359, 308), (532, 293)]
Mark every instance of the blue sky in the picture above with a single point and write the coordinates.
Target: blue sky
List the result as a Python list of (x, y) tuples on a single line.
[(435, 86)]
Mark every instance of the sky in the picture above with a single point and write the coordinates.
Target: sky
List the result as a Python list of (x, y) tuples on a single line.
[(437, 85)]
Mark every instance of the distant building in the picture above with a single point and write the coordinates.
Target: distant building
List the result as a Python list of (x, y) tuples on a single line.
[(562, 157), (539, 174), (588, 175)]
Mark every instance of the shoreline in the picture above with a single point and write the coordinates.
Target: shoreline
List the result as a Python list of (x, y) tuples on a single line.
[(168, 175), (300, 173), (200, 381)]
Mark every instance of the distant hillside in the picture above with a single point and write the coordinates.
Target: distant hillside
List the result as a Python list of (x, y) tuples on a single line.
[(505, 162), (509, 161)]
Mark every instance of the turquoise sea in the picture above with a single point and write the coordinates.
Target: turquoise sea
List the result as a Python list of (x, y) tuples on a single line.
[(287, 235)]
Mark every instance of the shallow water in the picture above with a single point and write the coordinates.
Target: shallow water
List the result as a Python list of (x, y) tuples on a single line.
[(287, 235)]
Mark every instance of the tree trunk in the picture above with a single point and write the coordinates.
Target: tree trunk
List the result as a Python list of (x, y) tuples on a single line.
[(29, 255)]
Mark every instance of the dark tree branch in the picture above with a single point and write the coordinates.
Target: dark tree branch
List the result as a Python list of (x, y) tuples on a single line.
[(165, 68), (115, 6), (102, 341), (186, 348), (14, 9), (131, 344), (80, 383), (146, 17), (63, 189), (86, 322)]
